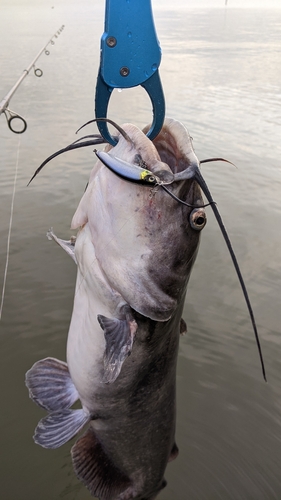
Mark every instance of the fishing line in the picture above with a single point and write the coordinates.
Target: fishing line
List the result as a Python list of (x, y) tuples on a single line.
[(10, 230), (11, 218), (183, 202)]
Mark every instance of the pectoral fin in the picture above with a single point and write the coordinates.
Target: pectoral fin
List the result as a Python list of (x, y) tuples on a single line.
[(59, 427), (50, 385), (119, 336), (67, 245)]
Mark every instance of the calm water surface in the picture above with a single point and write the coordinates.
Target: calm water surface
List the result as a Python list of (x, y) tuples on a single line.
[(221, 72)]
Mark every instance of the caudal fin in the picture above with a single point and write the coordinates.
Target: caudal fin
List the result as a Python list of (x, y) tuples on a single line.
[(96, 470), (59, 427), (50, 385)]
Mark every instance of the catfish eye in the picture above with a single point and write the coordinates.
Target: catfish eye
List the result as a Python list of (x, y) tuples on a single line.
[(198, 219)]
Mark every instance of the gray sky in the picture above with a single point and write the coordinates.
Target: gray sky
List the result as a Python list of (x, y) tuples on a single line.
[(169, 4), (218, 3)]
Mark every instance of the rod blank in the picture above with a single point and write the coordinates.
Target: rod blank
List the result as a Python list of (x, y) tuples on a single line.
[(4, 104)]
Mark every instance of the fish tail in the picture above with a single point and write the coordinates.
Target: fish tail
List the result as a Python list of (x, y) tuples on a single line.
[(50, 387)]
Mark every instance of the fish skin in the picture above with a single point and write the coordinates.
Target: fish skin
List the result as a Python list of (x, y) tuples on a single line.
[(135, 250)]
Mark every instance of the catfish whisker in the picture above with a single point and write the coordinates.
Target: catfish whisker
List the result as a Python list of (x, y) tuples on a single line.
[(120, 129), (93, 136), (217, 159), (184, 202), (198, 177), (74, 145)]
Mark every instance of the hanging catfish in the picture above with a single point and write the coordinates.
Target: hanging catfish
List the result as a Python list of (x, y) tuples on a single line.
[(136, 245)]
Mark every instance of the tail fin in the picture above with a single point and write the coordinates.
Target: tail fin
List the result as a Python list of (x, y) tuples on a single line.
[(59, 427), (50, 385)]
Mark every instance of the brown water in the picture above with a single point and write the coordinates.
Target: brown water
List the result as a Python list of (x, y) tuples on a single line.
[(221, 72)]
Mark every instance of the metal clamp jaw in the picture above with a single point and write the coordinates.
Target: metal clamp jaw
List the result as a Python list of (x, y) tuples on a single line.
[(130, 56)]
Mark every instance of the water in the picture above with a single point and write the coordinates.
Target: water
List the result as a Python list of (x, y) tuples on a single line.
[(221, 72)]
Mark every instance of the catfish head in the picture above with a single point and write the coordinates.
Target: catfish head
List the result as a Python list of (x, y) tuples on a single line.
[(145, 241)]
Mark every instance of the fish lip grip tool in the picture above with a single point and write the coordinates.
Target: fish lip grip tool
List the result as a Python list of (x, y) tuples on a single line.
[(130, 56)]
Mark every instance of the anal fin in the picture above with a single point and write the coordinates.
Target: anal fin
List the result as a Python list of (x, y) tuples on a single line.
[(59, 427), (119, 336), (50, 385), (97, 471)]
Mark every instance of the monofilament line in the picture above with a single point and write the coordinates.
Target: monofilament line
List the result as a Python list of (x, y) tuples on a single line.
[(10, 230)]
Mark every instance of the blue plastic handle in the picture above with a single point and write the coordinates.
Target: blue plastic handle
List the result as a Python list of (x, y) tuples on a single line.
[(130, 56), (130, 51)]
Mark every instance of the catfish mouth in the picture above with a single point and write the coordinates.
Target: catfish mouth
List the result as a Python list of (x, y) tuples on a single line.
[(174, 146), (168, 144)]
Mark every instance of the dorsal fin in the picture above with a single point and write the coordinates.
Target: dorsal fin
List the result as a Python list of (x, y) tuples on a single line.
[(96, 470)]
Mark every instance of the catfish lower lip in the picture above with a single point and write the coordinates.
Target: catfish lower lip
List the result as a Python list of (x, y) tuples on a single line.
[(134, 250)]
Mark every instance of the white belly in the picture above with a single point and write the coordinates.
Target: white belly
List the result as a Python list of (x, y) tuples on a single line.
[(86, 343)]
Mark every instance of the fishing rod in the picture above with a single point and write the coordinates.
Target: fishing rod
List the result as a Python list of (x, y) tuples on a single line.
[(4, 104)]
